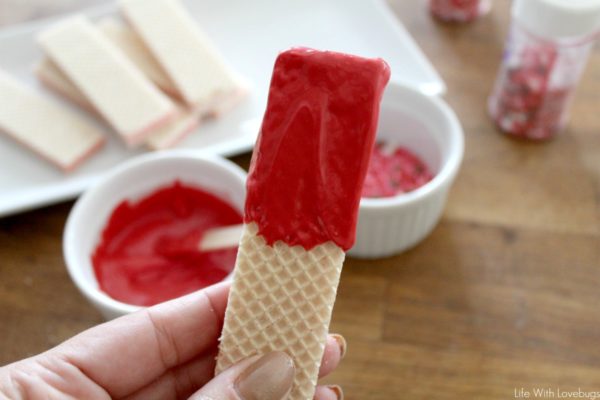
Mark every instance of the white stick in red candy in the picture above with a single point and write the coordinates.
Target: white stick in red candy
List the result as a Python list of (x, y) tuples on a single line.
[(200, 74), (119, 92), (304, 189), (52, 130)]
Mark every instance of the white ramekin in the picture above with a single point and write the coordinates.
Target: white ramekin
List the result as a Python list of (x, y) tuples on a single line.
[(427, 126), (133, 180)]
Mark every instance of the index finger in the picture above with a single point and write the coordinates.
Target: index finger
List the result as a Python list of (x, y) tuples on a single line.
[(126, 354)]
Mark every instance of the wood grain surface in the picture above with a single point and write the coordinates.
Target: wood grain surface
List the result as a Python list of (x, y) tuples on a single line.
[(504, 294)]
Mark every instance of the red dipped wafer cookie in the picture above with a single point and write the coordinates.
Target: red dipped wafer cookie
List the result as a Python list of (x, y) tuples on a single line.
[(304, 190)]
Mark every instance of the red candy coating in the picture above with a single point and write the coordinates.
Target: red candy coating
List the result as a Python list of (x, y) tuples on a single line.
[(132, 261), (394, 170), (311, 157)]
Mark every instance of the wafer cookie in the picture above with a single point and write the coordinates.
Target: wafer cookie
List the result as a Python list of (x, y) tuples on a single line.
[(162, 137), (52, 130), (304, 189), (119, 92), (196, 68)]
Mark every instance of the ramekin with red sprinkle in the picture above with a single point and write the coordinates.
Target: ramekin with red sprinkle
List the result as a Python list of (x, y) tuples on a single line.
[(418, 153)]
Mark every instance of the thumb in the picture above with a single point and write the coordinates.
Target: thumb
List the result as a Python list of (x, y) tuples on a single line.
[(267, 377)]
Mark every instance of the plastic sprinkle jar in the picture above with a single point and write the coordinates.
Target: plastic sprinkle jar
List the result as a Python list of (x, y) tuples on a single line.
[(544, 57)]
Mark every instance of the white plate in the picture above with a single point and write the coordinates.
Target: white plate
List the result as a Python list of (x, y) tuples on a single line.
[(250, 34)]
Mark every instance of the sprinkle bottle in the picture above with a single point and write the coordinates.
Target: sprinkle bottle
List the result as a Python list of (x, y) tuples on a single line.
[(544, 56), (458, 10)]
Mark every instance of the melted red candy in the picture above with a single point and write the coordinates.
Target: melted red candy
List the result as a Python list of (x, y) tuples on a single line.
[(311, 157), (394, 170), (133, 262)]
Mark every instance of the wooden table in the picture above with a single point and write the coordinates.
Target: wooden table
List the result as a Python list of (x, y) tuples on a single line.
[(505, 293)]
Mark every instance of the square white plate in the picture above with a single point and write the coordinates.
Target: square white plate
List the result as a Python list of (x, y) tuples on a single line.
[(250, 34)]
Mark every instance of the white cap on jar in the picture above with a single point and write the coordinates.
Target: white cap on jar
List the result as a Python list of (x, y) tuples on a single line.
[(558, 19)]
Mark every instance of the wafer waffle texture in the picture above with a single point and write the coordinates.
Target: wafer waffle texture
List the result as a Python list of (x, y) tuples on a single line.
[(281, 299)]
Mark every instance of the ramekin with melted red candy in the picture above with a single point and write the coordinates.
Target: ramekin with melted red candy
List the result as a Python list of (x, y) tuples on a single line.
[(398, 214), (119, 228)]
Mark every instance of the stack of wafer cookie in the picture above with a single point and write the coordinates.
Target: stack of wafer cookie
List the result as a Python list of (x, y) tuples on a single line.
[(150, 75)]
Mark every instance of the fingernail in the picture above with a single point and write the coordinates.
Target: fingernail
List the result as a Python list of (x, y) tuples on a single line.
[(342, 343), (337, 390), (269, 378)]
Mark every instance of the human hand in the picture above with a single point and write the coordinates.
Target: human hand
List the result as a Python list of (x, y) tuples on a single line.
[(164, 352)]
